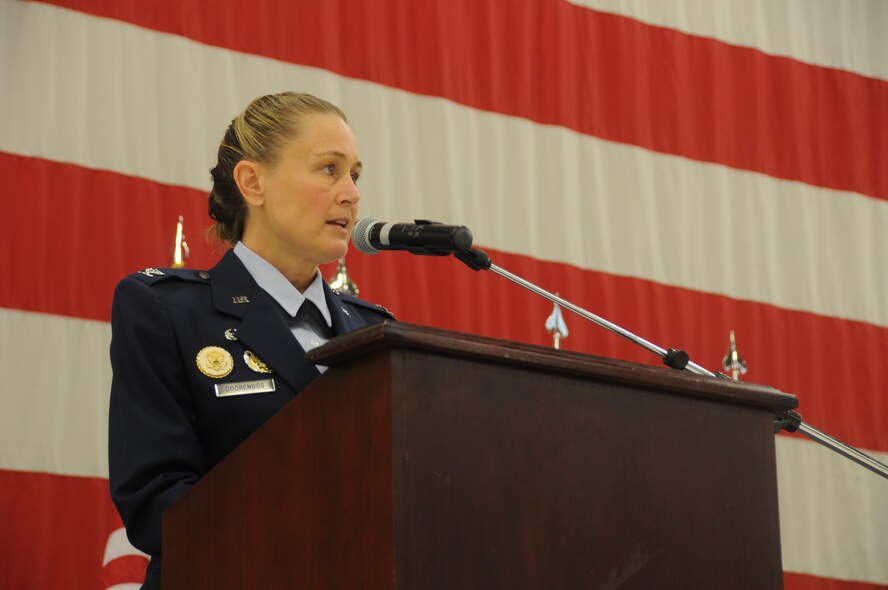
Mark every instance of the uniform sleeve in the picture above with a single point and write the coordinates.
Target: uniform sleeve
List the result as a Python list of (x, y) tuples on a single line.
[(154, 453)]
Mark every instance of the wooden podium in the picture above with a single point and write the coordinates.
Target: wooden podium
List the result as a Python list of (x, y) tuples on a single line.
[(430, 459)]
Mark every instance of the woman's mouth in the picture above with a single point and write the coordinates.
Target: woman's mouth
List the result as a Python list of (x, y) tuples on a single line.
[(342, 222)]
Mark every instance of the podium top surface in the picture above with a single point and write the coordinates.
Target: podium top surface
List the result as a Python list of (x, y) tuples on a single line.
[(400, 335)]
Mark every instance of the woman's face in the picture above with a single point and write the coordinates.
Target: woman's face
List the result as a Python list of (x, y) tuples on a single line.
[(310, 197)]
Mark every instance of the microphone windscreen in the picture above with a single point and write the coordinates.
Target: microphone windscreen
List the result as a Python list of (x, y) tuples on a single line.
[(361, 235)]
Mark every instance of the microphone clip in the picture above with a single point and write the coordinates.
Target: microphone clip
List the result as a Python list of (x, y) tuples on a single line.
[(474, 258)]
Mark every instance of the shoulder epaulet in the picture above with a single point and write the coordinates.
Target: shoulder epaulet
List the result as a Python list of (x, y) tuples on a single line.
[(155, 275), (365, 304)]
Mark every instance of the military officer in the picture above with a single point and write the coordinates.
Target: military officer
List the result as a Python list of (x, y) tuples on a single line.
[(202, 358)]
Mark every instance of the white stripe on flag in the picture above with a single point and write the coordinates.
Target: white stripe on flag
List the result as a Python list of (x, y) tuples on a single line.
[(833, 513), (119, 546), (56, 384), (849, 35)]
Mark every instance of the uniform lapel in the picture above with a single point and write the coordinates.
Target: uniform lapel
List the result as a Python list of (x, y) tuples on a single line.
[(261, 329), (343, 320), (233, 287)]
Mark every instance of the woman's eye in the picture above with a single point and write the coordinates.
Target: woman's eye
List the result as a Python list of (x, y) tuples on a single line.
[(330, 169), (355, 176)]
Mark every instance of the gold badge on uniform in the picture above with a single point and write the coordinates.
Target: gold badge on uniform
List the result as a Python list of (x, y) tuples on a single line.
[(215, 362), (255, 363)]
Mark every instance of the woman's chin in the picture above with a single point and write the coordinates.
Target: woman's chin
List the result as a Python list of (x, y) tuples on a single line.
[(335, 253)]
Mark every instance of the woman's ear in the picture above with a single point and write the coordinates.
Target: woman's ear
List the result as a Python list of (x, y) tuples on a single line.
[(246, 176)]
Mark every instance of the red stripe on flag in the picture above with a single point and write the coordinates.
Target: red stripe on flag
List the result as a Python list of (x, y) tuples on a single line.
[(560, 64), (83, 230), (805, 582), (129, 569), (55, 529), (108, 225)]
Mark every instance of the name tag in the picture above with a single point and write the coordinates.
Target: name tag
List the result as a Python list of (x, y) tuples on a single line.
[(244, 387)]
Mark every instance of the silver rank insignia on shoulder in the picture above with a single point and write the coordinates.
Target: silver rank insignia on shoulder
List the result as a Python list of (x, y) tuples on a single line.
[(215, 362), (151, 272), (240, 299), (255, 363)]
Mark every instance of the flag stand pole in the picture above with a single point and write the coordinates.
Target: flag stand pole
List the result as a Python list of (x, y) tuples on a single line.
[(789, 420)]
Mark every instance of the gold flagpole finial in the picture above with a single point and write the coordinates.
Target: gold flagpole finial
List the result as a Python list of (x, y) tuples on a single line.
[(180, 250), (732, 362), (341, 281)]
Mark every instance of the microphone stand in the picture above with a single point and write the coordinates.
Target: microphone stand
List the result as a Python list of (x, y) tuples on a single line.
[(789, 420)]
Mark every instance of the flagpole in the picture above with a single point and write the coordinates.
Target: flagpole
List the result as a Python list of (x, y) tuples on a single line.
[(790, 420)]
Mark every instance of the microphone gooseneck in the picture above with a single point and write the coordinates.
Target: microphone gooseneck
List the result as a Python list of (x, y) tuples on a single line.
[(790, 420)]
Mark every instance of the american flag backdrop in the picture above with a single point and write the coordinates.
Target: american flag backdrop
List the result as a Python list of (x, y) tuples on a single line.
[(680, 167)]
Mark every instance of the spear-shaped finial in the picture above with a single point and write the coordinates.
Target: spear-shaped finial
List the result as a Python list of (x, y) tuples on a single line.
[(733, 362), (341, 281), (180, 250), (556, 326)]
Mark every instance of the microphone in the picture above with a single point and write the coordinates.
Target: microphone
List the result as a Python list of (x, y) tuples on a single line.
[(425, 237)]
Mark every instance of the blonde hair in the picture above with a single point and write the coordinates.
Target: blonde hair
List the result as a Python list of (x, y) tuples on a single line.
[(258, 134)]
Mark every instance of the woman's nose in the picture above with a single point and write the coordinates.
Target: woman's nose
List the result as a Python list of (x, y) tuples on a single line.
[(349, 192)]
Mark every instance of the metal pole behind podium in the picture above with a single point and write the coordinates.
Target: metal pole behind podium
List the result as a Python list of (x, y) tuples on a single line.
[(790, 421)]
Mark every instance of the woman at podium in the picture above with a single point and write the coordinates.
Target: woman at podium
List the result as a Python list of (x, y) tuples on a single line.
[(201, 359)]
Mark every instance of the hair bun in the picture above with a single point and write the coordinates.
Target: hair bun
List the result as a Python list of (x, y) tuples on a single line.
[(216, 211)]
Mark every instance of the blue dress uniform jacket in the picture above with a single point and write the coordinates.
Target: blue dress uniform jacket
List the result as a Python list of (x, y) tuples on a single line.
[(167, 427)]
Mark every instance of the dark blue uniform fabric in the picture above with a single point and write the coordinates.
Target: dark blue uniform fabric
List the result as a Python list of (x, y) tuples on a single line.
[(167, 427)]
